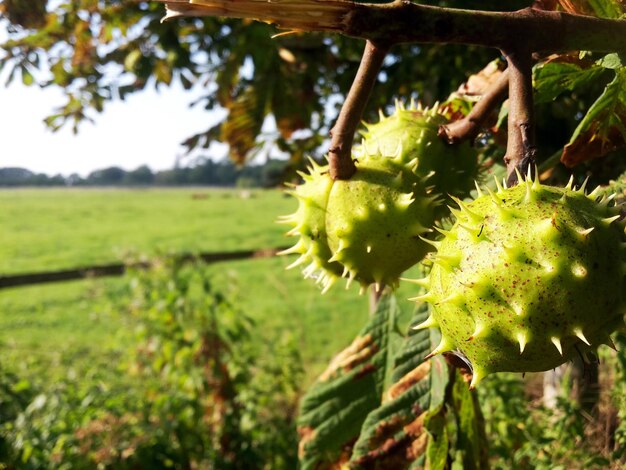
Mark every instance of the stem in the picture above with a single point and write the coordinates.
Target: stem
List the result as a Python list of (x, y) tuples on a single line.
[(520, 148), (374, 298), (470, 126), (342, 134), (539, 30), (408, 22)]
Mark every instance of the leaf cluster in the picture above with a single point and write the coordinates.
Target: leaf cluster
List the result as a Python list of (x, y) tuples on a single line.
[(382, 404)]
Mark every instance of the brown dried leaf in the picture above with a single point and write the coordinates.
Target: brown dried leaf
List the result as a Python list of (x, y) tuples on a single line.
[(577, 7), (460, 103), (26, 13), (590, 144), (408, 381), (334, 409), (359, 352), (600, 8), (244, 121), (568, 58), (480, 82), (400, 444)]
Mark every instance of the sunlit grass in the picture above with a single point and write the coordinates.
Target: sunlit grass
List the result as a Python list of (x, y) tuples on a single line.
[(46, 229), (47, 320), (51, 229)]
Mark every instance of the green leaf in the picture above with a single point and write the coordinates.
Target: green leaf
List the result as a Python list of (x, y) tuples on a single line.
[(554, 78), (438, 443), (603, 129), (295, 101), (503, 114), (132, 59), (228, 76), (471, 437), (292, 101), (162, 72), (456, 107), (607, 8), (612, 61), (332, 412), (27, 77), (426, 419), (394, 435)]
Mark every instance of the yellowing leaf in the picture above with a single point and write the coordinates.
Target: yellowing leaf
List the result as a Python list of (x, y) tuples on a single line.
[(334, 409), (394, 435), (244, 121), (600, 8)]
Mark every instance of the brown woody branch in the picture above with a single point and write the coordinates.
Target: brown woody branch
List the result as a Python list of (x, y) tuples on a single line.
[(471, 125), (518, 33), (539, 30), (340, 160), (402, 21), (520, 147)]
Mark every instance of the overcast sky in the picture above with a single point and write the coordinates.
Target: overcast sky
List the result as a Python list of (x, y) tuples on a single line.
[(145, 129)]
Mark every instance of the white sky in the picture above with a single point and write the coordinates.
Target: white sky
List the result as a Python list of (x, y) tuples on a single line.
[(147, 128)]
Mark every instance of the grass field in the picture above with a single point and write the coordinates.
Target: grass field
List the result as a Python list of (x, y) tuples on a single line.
[(71, 342), (46, 229), (53, 321)]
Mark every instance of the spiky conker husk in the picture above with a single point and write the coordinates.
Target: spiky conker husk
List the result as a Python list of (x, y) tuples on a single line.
[(367, 228), (528, 278), (310, 225), (412, 134)]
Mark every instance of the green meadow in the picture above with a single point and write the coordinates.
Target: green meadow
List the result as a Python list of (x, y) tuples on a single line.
[(56, 229), (93, 375), (47, 229)]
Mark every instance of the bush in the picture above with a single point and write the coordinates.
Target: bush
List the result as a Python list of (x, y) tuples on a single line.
[(195, 390)]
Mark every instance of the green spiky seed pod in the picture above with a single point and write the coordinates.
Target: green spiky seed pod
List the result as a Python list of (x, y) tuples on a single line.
[(309, 223), (528, 278), (410, 135), (367, 228)]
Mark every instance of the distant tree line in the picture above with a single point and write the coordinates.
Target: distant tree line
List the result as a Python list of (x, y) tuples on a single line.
[(203, 172)]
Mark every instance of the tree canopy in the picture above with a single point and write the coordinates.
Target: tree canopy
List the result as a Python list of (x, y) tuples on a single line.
[(98, 51)]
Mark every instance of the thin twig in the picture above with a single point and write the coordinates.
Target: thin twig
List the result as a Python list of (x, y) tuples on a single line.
[(471, 125), (520, 147), (342, 134)]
